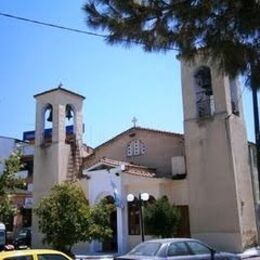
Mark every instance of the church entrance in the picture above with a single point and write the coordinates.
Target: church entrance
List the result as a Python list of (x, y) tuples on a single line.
[(110, 245)]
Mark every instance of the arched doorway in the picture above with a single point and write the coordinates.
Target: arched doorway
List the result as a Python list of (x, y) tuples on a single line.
[(110, 245)]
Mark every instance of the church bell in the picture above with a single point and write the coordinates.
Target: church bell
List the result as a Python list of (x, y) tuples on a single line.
[(49, 119), (68, 112)]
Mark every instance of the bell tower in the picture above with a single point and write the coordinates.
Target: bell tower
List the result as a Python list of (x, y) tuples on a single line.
[(58, 143), (220, 189)]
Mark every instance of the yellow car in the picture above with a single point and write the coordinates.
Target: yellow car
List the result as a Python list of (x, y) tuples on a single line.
[(33, 254)]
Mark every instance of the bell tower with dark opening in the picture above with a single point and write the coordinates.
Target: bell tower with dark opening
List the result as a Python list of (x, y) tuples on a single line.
[(220, 189), (58, 143)]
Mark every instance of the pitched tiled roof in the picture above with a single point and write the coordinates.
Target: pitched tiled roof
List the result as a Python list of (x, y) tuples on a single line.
[(130, 168), (137, 128)]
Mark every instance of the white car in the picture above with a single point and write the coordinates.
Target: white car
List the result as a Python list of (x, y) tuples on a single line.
[(175, 249), (251, 253)]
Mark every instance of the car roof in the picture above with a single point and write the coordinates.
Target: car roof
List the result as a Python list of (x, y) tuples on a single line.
[(28, 251), (170, 240), (26, 228)]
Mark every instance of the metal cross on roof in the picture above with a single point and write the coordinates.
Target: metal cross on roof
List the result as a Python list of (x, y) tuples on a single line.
[(134, 121)]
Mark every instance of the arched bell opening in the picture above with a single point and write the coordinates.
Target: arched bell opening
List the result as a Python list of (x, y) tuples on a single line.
[(48, 124), (69, 123), (204, 92)]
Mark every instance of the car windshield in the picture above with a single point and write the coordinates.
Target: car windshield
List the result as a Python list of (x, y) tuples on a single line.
[(2, 237), (22, 233), (146, 249)]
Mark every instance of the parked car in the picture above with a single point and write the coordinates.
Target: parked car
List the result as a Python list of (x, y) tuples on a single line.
[(2, 236), (252, 253), (30, 254), (175, 249), (23, 238)]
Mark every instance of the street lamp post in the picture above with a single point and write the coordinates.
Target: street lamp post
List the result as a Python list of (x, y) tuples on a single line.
[(141, 198)]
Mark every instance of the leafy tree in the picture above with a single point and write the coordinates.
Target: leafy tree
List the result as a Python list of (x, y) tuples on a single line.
[(65, 218), (99, 220), (6, 209), (8, 181), (161, 218), (226, 31)]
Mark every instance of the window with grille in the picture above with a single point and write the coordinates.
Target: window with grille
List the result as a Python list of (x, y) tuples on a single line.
[(135, 147)]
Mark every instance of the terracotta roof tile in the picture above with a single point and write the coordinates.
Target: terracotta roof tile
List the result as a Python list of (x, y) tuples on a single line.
[(133, 169)]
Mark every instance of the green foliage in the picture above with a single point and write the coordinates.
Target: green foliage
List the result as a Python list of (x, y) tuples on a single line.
[(100, 221), (226, 30), (8, 181), (65, 218), (161, 219), (6, 209)]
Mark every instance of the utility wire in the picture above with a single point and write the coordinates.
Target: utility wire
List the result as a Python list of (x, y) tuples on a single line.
[(52, 25), (80, 31), (66, 28), (83, 32)]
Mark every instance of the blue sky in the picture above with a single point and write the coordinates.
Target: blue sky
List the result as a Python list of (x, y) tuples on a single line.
[(118, 83)]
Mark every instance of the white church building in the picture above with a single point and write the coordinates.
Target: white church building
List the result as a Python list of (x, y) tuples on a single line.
[(205, 171)]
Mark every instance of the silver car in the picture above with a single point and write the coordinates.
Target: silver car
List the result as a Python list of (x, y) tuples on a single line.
[(175, 249)]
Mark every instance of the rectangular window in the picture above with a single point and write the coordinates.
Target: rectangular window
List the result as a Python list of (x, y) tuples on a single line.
[(234, 97), (252, 155), (52, 257), (24, 257), (184, 227), (178, 249), (133, 219)]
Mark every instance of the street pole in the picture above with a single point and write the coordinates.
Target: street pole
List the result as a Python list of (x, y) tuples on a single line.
[(140, 202), (257, 132)]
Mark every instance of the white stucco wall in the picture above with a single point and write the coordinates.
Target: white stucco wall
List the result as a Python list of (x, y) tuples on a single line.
[(99, 186)]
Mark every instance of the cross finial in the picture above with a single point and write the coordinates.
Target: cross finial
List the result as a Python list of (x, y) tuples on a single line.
[(134, 121), (60, 85)]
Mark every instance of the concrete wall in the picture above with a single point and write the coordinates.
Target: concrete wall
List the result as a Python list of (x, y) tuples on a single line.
[(159, 149), (176, 191), (99, 186), (51, 158), (219, 185)]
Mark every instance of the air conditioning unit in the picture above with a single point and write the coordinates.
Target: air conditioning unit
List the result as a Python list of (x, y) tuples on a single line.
[(178, 167)]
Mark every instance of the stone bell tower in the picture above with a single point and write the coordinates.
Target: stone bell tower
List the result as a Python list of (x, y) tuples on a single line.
[(220, 189), (57, 154)]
